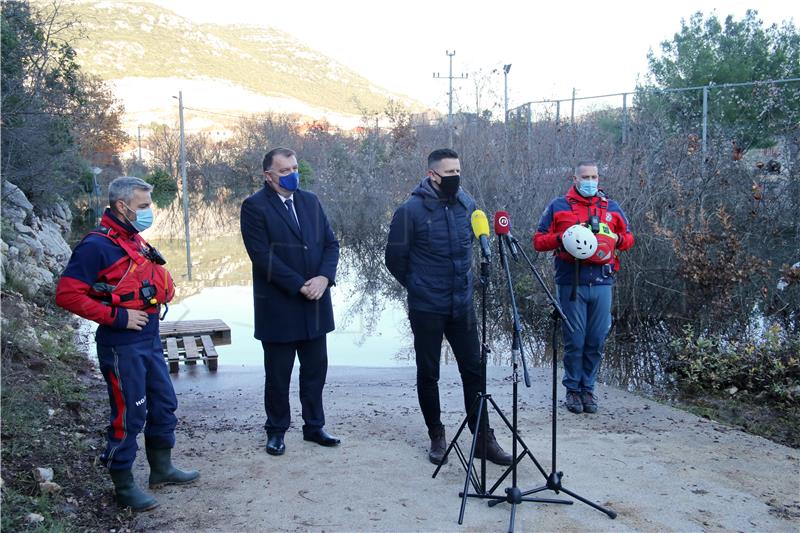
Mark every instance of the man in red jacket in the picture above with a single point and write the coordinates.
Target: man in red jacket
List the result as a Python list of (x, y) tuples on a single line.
[(584, 286), (115, 278)]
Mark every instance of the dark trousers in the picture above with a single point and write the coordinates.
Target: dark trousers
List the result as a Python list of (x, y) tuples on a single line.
[(278, 364), (141, 396), (462, 334)]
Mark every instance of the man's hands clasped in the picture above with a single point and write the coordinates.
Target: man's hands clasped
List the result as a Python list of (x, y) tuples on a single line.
[(314, 288)]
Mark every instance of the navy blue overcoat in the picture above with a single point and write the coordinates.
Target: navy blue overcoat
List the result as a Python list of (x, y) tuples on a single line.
[(283, 260)]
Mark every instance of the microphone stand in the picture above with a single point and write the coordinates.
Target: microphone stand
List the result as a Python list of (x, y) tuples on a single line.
[(554, 478), (513, 494)]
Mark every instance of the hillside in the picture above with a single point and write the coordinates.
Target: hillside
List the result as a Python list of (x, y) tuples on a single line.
[(145, 50)]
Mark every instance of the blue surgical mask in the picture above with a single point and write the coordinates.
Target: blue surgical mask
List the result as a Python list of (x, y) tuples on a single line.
[(290, 182), (144, 219), (587, 188)]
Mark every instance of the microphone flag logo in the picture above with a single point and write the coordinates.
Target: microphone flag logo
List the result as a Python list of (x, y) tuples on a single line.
[(502, 223)]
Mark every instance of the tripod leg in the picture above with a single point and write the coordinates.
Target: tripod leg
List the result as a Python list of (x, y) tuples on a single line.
[(611, 514), (454, 442), (471, 460), (513, 518), (526, 450), (534, 491)]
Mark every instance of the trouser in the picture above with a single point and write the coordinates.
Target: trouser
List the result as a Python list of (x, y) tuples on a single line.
[(278, 364), (590, 316), (462, 334), (141, 396)]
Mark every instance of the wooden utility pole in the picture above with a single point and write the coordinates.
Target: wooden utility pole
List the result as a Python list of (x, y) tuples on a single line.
[(185, 186)]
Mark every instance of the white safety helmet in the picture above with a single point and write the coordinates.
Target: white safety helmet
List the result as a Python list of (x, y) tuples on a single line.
[(579, 241)]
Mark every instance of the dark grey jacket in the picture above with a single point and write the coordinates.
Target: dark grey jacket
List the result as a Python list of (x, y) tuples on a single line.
[(429, 250)]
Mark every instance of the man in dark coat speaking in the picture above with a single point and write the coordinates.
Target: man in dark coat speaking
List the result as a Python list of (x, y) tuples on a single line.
[(294, 254), (429, 251)]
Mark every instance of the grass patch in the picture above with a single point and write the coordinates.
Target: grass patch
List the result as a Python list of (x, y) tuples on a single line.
[(54, 410), (779, 424)]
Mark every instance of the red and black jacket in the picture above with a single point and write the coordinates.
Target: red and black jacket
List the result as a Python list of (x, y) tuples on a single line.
[(111, 270), (571, 209)]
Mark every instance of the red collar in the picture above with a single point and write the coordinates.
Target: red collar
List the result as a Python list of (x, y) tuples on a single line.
[(122, 229)]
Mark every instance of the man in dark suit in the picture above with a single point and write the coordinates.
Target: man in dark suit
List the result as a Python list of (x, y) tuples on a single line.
[(294, 254)]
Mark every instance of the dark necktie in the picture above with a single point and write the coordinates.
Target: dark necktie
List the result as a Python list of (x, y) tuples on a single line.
[(288, 204)]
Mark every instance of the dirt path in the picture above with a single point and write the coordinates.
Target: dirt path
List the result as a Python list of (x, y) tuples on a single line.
[(659, 468)]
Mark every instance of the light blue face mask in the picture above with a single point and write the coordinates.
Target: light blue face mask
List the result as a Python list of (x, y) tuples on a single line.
[(144, 219), (587, 188)]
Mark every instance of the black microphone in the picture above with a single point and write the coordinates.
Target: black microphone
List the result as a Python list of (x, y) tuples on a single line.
[(480, 227)]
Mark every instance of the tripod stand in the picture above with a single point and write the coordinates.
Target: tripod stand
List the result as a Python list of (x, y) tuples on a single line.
[(554, 478), (514, 495)]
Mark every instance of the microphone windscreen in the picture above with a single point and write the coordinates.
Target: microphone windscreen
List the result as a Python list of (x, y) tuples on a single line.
[(480, 224), (502, 225)]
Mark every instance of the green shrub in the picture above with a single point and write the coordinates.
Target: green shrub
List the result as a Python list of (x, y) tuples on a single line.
[(165, 189), (306, 174), (764, 367)]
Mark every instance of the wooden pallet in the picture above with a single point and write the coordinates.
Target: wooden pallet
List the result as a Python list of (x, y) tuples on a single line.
[(195, 340)]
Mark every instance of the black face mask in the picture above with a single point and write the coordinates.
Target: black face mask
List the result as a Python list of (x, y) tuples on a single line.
[(449, 184)]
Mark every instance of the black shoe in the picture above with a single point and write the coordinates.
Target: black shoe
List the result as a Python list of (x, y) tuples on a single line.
[(275, 445), (589, 402), (321, 437), (574, 403), (494, 452), (438, 446)]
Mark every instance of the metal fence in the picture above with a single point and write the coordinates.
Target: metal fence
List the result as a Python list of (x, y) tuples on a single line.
[(699, 105)]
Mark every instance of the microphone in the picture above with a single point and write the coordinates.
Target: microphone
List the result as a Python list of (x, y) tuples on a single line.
[(502, 227), (502, 224), (480, 227)]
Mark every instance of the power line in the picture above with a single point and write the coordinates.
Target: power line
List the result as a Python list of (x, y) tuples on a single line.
[(215, 112)]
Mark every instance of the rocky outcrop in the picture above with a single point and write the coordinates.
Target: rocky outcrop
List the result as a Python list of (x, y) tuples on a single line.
[(34, 251)]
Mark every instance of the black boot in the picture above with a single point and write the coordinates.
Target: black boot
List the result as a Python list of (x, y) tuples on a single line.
[(438, 446), (128, 494), (163, 473), (493, 452)]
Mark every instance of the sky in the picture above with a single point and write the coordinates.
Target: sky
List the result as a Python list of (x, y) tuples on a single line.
[(595, 47)]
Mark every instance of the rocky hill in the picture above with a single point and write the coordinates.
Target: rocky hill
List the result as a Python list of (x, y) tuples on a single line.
[(148, 53)]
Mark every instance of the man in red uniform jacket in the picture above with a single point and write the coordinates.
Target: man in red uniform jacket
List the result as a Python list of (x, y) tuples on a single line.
[(584, 286), (116, 279)]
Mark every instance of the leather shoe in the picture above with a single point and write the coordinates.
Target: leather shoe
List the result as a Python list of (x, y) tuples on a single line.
[(321, 437), (438, 446), (275, 445), (493, 451)]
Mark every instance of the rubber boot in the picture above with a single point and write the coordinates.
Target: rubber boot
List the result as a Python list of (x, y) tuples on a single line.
[(163, 473), (128, 494)]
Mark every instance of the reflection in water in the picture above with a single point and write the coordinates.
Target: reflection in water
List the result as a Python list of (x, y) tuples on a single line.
[(370, 330), (371, 321)]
